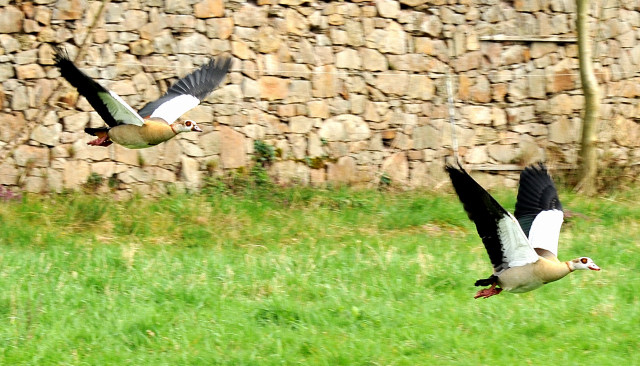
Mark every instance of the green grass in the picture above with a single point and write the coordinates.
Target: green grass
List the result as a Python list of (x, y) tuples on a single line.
[(302, 277)]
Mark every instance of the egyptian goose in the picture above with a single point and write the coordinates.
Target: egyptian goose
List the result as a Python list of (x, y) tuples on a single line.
[(523, 251), (156, 121)]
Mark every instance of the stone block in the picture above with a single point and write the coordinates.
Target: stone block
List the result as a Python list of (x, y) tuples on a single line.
[(11, 19), (232, 148), (348, 59), (301, 124), (342, 171), (318, 108), (75, 173), (47, 135), (12, 126), (69, 9), (564, 130), (396, 167), (324, 81), (209, 9), (273, 88), (372, 60)]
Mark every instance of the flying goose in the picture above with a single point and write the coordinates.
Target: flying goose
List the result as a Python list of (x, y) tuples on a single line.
[(523, 252), (156, 121)]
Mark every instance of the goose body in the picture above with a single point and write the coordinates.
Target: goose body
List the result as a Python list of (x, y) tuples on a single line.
[(156, 121), (522, 248)]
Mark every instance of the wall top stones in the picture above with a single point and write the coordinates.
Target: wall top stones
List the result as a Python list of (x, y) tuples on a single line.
[(346, 91)]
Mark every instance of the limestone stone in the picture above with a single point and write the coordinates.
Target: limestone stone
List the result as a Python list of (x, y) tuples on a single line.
[(467, 61), (626, 132), (6, 72), (47, 135), (126, 156), (503, 153), (299, 91), (355, 33), (12, 126), (426, 137), (333, 130), (76, 121), (141, 47), (11, 19), (373, 60), (354, 126), (20, 99), (104, 168), (241, 50), (396, 167), (388, 8), (318, 108), (342, 171), (134, 20), (478, 115), (561, 104), (273, 88), (31, 156), (177, 6), (209, 9), (124, 87), (195, 43), (477, 155), (564, 130), (69, 9), (301, 124), (422, 87), (250, 16), (324, 81), (295, 22), (537, 84), (9, 174), (393, 82), (268, 40), (348, 59), (232, 148)]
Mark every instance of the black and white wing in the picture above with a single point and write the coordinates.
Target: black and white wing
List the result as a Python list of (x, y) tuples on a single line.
[(113, 109), (187, 92), (501, 234), (538, 209)]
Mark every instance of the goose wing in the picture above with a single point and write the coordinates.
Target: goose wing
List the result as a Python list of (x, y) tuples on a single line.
[(538, 208), (113, 109), (187, 92), (501, 234)]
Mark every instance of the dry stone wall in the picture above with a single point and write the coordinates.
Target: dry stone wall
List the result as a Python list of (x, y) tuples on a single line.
[(347, 92)]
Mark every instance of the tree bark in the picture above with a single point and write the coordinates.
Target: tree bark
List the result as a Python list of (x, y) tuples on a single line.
[(588, 170)]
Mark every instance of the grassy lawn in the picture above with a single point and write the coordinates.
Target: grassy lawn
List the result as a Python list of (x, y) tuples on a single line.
[(303, 277)]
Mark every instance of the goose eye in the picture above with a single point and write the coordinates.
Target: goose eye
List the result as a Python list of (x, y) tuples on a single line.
[(583, 260), (188, 123)]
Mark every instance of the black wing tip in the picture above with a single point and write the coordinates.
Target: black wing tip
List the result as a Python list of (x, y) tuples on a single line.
[(60, 54)]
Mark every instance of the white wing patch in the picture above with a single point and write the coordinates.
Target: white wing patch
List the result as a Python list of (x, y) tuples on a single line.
[(545, 230), (120, 110), (516, 248), (176, 107)]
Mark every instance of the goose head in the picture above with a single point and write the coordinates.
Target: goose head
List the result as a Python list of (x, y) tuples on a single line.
[(584, 263), (186, 126)]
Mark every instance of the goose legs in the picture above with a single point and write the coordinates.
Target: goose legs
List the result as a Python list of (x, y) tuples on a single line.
[(488, 292)]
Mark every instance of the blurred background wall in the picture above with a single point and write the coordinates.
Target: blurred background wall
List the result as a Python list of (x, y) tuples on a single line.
[(346, 92)]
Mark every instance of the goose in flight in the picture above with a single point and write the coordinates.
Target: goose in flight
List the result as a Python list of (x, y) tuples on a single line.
[(156, 121), (523, 249)]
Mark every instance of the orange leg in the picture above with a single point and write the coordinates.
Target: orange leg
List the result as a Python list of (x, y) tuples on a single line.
[(103, 140), (488, 292)]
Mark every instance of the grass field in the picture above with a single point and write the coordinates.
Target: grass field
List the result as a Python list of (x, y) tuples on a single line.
[(303, 277)]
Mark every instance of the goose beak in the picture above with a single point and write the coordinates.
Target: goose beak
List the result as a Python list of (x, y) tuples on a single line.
[(593, 267), (196, 128)]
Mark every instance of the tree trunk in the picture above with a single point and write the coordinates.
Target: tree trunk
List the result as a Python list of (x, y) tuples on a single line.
[(588, 155)]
